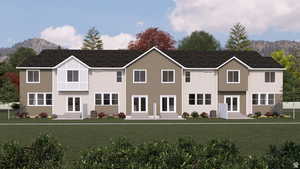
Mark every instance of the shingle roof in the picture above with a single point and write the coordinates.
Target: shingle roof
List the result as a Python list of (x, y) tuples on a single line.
[(119, 58)]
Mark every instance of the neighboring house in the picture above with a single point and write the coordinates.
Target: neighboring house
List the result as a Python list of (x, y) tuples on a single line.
[(151, 84)]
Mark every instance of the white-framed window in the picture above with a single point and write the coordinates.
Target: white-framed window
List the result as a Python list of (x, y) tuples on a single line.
[(139, 76), (269, 77), (119, 76), (187, 77), (263, 99), (139, 103), (72, 76), (73, 104), (39, 99), (167, 76), (167, 103), (233, 76), (199, 99), (32, 76), (106, 99)]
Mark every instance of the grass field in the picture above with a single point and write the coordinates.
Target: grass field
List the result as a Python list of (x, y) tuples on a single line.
[(250, 138)]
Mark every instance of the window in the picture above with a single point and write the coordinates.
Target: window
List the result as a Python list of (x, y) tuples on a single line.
[(191, 99), (98, 99), (39, 99), (263, 99), (73, 104), (255, 99), (207, 99), (139, 76), (106, 99), (167, 103), (119, 76), (199, 99), (271, 99), (33, 76), (233, 76), (187, 77), (139, 104), (72, 76), (269, 77), (168, 76)]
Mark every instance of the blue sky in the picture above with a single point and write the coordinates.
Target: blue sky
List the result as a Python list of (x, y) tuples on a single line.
[(28, 18)]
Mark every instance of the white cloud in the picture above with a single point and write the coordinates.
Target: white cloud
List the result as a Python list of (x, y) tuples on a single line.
[(140, 23), (219, 15), (119, 41), (66, 36)]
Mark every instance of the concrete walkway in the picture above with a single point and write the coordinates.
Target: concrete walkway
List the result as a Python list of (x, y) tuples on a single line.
[(118, 124)]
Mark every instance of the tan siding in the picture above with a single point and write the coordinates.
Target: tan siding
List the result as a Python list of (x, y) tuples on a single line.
[(153, 62), (45, 85), (222, 77), (107, 109), (267, 108)]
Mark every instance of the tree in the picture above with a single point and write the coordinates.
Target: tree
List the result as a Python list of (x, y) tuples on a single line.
[(199, 40), (238, 39), (8, 91), (19, 56), (92, 40), (13, 77), (152, 37)]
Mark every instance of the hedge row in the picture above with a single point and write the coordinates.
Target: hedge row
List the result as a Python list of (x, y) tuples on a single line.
[(47, 153)]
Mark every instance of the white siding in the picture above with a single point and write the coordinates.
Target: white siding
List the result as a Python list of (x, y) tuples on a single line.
[(205, 82), (62, 83)]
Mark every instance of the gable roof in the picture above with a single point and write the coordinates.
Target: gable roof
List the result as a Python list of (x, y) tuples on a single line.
[(122, 58)]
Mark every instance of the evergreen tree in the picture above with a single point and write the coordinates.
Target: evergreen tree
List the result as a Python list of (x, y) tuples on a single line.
[(238, 39), (92, 40)]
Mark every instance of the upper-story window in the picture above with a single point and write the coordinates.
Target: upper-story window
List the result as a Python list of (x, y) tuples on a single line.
[(168, 76), (33, 76), (269, 77), (233, 76), (187, 77), (139, 76), (72, 76), (119, 76)]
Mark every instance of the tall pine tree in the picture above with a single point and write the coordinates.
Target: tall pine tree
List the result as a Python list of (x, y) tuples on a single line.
[(238, 39), (92, 40)]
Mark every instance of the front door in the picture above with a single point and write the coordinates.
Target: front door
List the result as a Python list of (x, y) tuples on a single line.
[(233, 103), (73, 104)]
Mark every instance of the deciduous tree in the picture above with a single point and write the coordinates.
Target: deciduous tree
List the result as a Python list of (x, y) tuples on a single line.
[(199, 40)]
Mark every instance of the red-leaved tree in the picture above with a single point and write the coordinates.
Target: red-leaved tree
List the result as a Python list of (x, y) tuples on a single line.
[(152, 37), (13, 77)]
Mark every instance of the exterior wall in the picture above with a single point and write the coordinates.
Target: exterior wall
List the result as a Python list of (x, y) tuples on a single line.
[(222, 77), (257, 84), (45, 85), (242, 99), (105, 81), (153, 62), (205, 82)]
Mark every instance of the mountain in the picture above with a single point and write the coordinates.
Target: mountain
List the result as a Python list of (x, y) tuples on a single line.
[(35, 43), (266, 48)]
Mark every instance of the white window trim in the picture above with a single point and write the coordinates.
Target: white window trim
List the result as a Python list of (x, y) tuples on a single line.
[(231, 70), (132, 103), (36, 99), (134, 70), (161, 75), (186, 76), (270, 76), (67, 106), (110, 98), (238, 104), (66, 71), (267, 99), (34, 71), (168, 108), (196, 99)]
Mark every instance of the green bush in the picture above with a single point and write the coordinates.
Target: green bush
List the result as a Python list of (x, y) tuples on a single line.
[(12, 155), (195, 114), (185, 115)]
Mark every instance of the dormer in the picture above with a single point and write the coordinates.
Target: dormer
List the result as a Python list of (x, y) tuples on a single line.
[(72, 75)]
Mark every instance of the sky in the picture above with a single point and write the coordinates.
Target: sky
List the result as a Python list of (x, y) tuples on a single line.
[(66, 22)]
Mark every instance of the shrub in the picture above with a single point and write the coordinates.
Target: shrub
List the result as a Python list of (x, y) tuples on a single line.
[(43, 115), (185, 115), (276, 114), (122, 115), (101, 115), (204, 115), (195, 114), (269, 114), (15, 106), (22, 115), (257, 114), (12, 155), (54, 116)]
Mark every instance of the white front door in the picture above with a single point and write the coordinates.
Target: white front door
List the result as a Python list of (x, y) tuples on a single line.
[(233, 103), (73, 104), (167, 104)]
